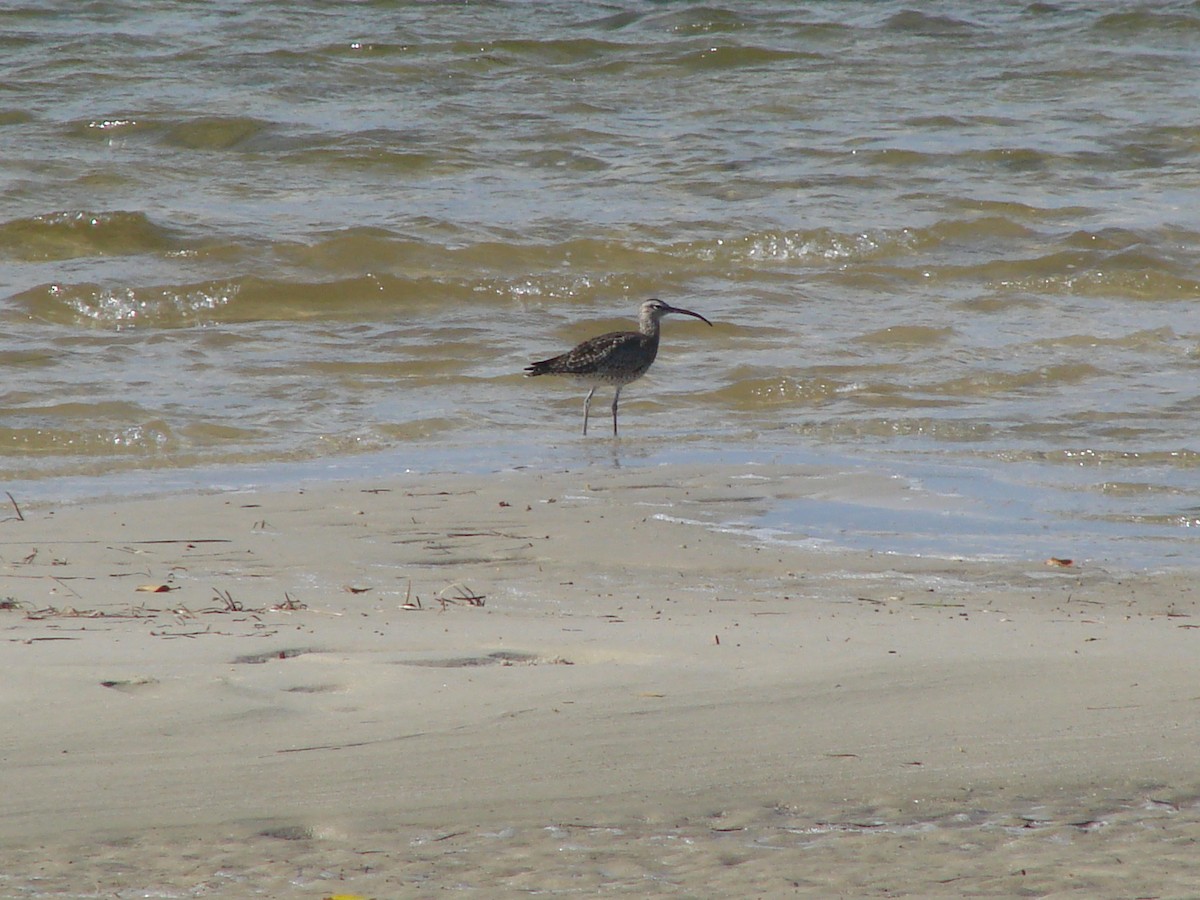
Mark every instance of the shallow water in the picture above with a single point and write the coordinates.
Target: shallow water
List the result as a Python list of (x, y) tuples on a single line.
[(958, 245)]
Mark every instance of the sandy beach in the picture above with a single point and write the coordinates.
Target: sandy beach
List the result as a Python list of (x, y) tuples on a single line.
[(573, 684)]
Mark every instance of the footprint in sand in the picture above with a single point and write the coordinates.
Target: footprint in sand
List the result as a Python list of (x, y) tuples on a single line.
[(254, 659), (315, 689), (498, 658), (130, 685)]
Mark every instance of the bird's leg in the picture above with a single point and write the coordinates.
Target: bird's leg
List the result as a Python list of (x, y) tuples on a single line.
[(586, 404), (616, 397)]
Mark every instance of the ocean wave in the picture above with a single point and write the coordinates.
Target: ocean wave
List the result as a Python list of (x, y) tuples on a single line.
[(70, 234), (128, 307), (1148, 20), (58, 439), (216, 132)]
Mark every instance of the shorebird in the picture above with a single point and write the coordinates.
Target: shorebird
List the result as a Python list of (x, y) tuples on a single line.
[(618, 357)]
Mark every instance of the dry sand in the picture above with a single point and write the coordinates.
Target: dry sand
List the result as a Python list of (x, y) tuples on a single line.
[(568, 684)]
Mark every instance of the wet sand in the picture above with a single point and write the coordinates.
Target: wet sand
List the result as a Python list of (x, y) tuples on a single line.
[(570, 684)]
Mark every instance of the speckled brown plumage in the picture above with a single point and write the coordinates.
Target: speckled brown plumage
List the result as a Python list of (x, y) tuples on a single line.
[(616, 358)]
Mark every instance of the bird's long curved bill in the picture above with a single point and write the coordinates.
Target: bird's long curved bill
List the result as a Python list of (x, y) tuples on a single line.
[(688, 312)]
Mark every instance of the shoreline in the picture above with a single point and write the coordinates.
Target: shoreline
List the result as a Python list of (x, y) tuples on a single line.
[(926, 509), (485, 655)]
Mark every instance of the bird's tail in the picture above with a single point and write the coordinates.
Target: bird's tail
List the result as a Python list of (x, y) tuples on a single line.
[(542, 367)]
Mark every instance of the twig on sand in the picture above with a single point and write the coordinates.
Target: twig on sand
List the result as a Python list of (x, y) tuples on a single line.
[(17, 509), (408, 599), (464, 595), (206, 631), (288, 604), (228, 604), (70, 612)]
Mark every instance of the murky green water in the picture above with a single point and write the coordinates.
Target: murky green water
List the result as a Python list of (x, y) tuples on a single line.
[(958, 243)]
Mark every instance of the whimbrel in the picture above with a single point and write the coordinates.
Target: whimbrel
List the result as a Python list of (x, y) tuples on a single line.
[(618, 357)]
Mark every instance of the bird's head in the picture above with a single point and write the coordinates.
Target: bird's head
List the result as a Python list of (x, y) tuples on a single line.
[(654, 309)]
